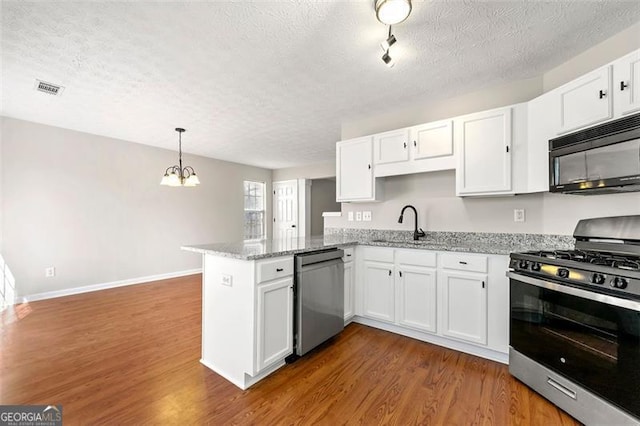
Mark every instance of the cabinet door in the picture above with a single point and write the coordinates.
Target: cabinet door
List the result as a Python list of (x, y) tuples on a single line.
[(483, 143), (378, 289), (391, 147), (626, 84), (586, 100), (464, 306), (432, 140), (274, 322), (354, 172), (417, 290), (349, 281)]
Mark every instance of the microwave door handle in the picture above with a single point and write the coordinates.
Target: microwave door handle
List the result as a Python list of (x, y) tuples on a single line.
[(572, 291)]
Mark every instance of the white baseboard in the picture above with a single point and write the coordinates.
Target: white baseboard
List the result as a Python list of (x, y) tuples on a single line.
[(104, 286)]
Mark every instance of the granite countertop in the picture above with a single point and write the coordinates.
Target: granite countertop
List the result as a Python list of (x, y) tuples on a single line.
[(469, 242), (252, 250)]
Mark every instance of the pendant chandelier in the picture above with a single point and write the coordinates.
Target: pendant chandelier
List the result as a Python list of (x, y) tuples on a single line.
[(178, 175)]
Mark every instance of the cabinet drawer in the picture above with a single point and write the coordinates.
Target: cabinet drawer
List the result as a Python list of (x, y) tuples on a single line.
[(270, 269), (378, 254), (464, 262), (348, 254), (416, 257)]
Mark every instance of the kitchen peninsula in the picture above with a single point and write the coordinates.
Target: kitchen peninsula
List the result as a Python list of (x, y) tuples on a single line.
[(449, 289)]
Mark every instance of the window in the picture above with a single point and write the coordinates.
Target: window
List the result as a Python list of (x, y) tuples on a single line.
[(254, 211)]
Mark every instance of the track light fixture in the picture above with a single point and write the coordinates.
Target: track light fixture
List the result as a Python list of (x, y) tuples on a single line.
[(391, 12), (391, 39)]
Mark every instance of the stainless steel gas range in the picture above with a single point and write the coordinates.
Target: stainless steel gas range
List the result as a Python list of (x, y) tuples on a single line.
[(575, 322)]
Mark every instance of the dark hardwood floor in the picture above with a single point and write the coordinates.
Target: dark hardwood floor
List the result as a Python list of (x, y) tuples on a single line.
[(130, 356)]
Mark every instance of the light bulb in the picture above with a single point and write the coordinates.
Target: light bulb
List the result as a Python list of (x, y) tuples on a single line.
[(193, 180), (165, 179), (174, 179)]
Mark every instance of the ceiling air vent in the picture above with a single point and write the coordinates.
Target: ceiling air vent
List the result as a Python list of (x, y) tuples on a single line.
[(49, 88)]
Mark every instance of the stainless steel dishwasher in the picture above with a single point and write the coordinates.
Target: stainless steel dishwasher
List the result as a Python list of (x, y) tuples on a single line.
[(319, 298)]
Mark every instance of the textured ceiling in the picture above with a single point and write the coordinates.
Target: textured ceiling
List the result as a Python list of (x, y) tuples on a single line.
[(269, 83)]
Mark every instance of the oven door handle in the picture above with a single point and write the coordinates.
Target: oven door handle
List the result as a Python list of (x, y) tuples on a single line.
[(585, 294)]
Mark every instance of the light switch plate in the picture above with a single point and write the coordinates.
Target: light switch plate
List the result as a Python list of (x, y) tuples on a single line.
[(518, 215), (226, 279), (350, 216), (358, 216), (366, 216)]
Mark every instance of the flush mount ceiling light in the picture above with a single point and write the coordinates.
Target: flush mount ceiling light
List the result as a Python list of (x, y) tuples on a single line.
[(391, 12), (178, 175)]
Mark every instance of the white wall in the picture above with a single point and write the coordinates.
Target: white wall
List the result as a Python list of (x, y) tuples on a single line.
[(434, 193), (310, 171), (409, 115), (323, 199), (609, 50), (92, 207)]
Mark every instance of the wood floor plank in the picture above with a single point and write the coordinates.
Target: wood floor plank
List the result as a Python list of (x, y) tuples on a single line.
[(130, 355)]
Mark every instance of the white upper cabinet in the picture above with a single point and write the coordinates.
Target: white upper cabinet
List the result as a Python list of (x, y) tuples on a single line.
[(354, 171), (432, 140), (626, 84), (586, 100), (391, 147), (423, 148), (483, 144), (542, 119)]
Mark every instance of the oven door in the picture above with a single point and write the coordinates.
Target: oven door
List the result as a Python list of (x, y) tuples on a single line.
[(590, 338)]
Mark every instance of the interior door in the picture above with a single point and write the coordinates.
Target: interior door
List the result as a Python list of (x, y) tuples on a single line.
[(285, 209)]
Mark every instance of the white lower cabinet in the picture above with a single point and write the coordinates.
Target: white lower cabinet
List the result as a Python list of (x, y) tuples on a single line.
[(458, 300), (402, 292), (417, 290), (349, 282), (464, 306), (379, 291), (247, 316), (274, 335)]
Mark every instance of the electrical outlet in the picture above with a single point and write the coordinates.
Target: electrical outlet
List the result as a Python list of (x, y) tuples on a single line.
[(366, 216), (518, 215), (358, 216), (350, 216), (226, 279), (50, 272)]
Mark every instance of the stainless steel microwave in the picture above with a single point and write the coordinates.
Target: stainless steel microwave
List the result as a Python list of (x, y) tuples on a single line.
[(599, 160)]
